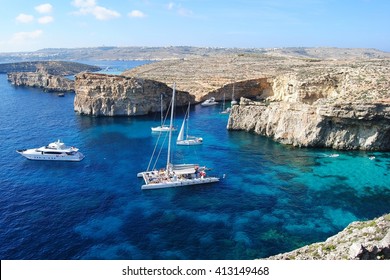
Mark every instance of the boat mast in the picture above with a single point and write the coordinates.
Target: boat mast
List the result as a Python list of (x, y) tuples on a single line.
[(161, 106), (170, 129), (188, 118)]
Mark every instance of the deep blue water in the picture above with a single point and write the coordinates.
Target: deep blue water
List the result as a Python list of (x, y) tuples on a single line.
[(273, 198)]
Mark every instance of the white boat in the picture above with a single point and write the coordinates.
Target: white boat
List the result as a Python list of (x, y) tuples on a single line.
[(209, 102), (57, 151), (234, 101), (225, 110), (175, 175), (162, 127), (187, 140)]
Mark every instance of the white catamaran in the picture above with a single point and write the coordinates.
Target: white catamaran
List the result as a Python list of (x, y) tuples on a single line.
[(175, 175), (187, 140)]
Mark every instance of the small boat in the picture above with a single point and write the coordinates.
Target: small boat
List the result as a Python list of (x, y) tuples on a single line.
[(188, 140), (209, 102), (234, 101), (162, 127), (57, 151), (60, 94), (225, 110), (171, 175)]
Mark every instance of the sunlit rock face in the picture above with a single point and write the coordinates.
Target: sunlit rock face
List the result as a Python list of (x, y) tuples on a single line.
[(348, 126), (112, 95)]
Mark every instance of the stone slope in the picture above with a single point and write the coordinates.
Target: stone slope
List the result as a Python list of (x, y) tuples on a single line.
[(180, 52), (369, 240), (364, 79)]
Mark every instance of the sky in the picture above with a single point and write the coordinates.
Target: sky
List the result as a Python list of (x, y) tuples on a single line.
[(37, 24)]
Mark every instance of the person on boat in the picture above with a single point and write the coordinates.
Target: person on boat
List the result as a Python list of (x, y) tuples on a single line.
[(196, 172)]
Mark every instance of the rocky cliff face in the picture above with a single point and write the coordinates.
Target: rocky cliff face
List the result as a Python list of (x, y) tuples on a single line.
[(112, 95), (340, 108), (346, 126), (42, 80), (368, 240)]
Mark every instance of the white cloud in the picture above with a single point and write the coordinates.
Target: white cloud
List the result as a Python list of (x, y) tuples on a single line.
[(102, 13), (170, 5), (44, 8), (136, 14), (20, 37), (86, 7), (23, 18), (84, 3), (45, 19)]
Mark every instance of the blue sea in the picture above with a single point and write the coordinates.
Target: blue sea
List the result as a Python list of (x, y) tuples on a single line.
[(271, 198)]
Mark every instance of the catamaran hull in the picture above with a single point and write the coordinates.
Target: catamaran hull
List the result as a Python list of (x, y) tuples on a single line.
[(180, 183), (189, 143)]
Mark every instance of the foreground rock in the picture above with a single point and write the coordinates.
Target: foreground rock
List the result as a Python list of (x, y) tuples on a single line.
[(112, 95), (368, 240)]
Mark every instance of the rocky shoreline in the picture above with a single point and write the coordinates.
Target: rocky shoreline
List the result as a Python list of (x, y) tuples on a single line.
[(48, 75), (344, 126), (41, 80), (368, 240)]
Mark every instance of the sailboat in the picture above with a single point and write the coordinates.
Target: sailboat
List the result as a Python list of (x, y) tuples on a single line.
[(187, 140), (234, 101), (162, 127), (224, 110), (175, 175)]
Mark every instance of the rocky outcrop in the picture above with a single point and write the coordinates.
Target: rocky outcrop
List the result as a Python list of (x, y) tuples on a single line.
[(112, 95), (49, 75), (369, 240), (42, 80), (59, 68), (346, 126), (340, 108)]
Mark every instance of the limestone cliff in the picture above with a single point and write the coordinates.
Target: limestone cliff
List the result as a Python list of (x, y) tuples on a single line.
[(369, 240), (42, 80), (347, 126), (112, 95), (341, 108)]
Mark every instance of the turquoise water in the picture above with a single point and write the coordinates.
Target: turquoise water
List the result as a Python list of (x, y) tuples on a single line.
[(271, 199)]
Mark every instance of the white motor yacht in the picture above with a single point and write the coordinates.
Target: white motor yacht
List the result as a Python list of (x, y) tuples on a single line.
[(54, 151), (209, 102)]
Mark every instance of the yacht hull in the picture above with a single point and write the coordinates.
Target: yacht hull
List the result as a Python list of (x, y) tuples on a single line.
[(32, 154)]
